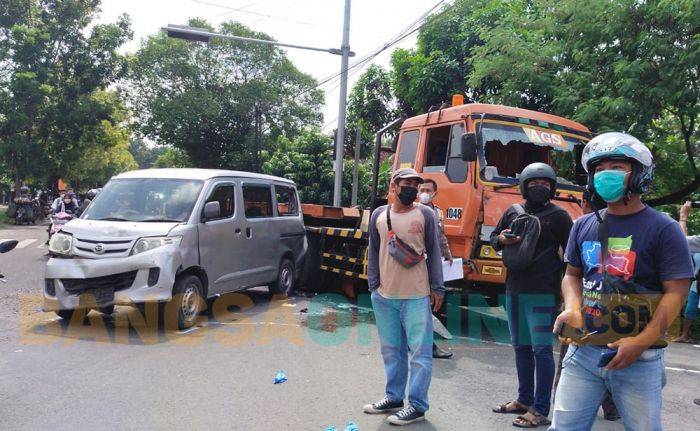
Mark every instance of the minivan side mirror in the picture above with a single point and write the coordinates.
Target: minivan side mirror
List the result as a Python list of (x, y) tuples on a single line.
[(212, 210), (468, 147)]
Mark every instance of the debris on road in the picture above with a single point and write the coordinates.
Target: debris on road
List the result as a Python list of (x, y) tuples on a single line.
[(280, 377)]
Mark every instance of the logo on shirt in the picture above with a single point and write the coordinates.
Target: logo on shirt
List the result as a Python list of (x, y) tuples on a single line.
[(620, 260), (416, 227)]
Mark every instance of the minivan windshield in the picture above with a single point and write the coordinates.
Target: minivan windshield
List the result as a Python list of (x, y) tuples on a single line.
[(145, 200)]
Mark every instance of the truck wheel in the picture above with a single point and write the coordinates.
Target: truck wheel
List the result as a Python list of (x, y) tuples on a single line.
[(186, 304), (285, 278)]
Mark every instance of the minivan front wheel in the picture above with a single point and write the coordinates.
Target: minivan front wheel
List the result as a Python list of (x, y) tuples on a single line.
[(285, 278), (186, 304)]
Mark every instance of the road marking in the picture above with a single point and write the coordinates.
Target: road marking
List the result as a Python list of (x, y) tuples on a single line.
[(25, 243), (683, 370)]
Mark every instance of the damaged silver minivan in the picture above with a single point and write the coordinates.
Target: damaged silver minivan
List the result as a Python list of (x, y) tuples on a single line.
[(176, 236)]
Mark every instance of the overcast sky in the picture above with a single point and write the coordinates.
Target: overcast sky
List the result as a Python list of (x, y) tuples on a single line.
[(317, 23)]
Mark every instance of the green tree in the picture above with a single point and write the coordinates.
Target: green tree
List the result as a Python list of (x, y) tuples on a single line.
[(173, 158), (441, 63), (623, 65), (53, 64), (370, 107), (308, 161), (200, 98), (144, 154)]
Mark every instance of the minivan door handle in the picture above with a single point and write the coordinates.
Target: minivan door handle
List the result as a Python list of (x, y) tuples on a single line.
[(249, 232)]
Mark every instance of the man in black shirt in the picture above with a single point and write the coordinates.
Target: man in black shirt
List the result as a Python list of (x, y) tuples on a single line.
[(533, 294)]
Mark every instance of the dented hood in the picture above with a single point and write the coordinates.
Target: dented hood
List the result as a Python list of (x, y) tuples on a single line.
[(106, 230)]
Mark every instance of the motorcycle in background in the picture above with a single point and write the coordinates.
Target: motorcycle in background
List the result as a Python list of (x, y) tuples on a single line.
[(6, 246), (26, 211), (57, 222)]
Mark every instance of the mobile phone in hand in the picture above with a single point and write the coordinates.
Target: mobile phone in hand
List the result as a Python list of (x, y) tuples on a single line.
[(695, 204), (606, 355), (566, 331), (510, 235)]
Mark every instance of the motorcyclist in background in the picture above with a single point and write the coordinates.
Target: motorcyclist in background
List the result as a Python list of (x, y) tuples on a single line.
[(67, 204), (89, 197)]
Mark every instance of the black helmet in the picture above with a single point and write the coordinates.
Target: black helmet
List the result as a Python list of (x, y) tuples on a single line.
[(538, 170)]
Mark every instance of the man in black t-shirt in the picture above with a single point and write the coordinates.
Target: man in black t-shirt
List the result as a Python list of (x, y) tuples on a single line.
[(533, 295)]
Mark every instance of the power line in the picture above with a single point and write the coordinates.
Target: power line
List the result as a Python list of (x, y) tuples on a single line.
[(232, 9), (237, 10), (360, 63), (403, 34)]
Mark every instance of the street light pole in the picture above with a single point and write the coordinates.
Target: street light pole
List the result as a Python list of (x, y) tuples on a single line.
[(337, 190), (204, 35)]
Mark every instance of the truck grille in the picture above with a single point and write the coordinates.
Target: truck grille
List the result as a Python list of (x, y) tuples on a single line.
[(115, 281)]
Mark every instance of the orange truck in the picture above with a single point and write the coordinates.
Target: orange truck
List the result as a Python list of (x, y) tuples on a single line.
[(475, 153)]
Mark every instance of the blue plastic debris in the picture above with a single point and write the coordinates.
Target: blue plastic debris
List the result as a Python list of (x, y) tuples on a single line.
[(351, 426), (280, 377), (331, 428)]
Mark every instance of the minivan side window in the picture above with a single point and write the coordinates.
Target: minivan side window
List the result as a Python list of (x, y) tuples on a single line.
[(223, 193), (287, 203), (257, 199)]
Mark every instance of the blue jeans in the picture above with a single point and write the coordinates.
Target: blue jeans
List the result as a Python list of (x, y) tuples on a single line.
[(691, 307), (530, 320), (635, 389), (404, 324)]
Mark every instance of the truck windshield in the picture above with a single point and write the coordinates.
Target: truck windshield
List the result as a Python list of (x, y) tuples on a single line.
[(145, 200), (509, 148)]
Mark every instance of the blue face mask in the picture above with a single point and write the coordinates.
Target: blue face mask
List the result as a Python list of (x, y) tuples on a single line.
[(610, 184)]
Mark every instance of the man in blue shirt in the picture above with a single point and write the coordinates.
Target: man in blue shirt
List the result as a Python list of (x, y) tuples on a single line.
[(646, 254)]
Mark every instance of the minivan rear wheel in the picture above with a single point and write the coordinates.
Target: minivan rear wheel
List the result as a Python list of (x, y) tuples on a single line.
[(285, 282), (186, 304)]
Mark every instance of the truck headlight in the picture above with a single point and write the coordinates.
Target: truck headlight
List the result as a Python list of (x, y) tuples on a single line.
[(61, 243), (149, 243)]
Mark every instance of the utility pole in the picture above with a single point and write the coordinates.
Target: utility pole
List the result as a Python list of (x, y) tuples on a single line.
[(258, 133), (203, 35), (356, 167), (337, 190)]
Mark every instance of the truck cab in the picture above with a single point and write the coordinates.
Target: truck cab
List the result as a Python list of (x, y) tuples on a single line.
[(475, 153)]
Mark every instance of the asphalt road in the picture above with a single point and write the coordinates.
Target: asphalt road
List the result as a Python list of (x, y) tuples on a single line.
[(120, 373)]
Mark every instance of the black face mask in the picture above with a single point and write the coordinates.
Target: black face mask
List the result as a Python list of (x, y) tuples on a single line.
[(407, 195), (538, 195)]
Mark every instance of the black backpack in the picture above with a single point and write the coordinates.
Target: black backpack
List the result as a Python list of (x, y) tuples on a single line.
[(527, 226)]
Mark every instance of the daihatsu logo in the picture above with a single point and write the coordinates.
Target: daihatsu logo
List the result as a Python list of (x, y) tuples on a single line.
[(99, 249)]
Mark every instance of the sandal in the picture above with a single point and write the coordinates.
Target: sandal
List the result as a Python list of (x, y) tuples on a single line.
[(531, 420), (516, 408)]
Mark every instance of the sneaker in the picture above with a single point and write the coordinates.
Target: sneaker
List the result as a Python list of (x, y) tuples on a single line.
[(406, 415), (385, 405)]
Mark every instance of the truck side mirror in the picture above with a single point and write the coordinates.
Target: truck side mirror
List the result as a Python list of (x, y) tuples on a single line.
[(212, 210), (468, 147)]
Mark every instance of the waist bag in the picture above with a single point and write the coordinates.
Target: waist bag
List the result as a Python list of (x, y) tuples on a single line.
[(399, 250)]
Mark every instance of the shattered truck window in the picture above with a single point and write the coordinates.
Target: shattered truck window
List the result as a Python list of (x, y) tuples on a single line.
[(509, 148)]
